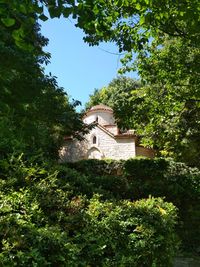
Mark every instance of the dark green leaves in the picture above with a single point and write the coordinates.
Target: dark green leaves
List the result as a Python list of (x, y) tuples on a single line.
[(39, 110), (44, 223), (67, 12), (55, 12), (8, 22), (43, 17)]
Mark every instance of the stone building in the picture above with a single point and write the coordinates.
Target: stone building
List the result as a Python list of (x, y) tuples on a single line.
[(105, 140)]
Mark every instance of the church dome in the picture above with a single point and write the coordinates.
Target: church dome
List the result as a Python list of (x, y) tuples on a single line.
[(100, 107), (101, 114)]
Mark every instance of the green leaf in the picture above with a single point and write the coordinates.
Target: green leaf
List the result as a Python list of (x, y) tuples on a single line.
[(43, 17), (67, 12), (23, 9), (138, 6), (54, 12), (8, 22), (142, 20)]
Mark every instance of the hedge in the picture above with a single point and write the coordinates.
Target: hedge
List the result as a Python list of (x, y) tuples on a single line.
[(140, 177), (44, 222)]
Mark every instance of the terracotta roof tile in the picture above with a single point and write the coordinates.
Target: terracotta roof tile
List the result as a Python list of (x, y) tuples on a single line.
[(100, 107)]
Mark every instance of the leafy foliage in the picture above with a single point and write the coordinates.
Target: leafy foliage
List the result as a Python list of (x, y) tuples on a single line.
[(119, 95), (165, 34), (133, 229), (166, 117), (129, 23), (139, 178), (35, 112), (43, 222), (169, 102)]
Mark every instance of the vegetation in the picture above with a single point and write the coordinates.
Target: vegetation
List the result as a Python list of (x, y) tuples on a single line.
[(140, 178), (165, 36), (167, 120), (44, 221), (119, 95), (98, 213), (35, 112)]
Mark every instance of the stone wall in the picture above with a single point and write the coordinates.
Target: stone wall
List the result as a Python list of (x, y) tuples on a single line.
[(73, 150), (106, 146), (186, 262), (113, 148), (145, 152), (112, 128)]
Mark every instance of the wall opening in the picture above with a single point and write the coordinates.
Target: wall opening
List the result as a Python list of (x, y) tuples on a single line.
[(95, 153), (94, 140)]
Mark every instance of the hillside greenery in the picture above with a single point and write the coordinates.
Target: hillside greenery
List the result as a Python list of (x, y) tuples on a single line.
[(139, 178), (165, 119), (99, 213), (52, 216)]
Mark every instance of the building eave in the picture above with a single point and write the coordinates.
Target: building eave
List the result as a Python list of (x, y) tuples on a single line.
[(117, 136), (126, 136), (105, 130), (68, 138)]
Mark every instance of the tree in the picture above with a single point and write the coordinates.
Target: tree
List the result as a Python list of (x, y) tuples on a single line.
[(130, 23), (37, 109), (165, 120), (118, 95), (165, 34), (172, 97)]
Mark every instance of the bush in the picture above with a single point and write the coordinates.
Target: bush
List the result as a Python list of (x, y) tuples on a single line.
[(44, 222), (97, 167), (129, 233), (140, 177), (95, 176), (175, 181)]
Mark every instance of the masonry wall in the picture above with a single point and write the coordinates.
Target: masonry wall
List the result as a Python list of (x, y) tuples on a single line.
[(125, 148), (73, 150), (145, 152), (112, 128), (106, 146), (110, 147)]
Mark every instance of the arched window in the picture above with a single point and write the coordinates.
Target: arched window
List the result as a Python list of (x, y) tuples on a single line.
[(94, 139)]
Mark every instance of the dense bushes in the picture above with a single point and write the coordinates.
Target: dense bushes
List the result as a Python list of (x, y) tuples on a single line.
[(138, 178), (129, 234), (176, 182), (45, 222), (50, 216)]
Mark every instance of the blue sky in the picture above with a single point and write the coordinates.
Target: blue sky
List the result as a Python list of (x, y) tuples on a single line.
[(79, 68)]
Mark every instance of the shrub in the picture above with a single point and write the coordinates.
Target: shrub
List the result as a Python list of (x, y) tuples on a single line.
[(128, 233), (97, 167), (44, 222), (87, 181), (175, 181), (140, 177)]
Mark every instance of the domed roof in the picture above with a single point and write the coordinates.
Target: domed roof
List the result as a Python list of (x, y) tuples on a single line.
[(100, 107)]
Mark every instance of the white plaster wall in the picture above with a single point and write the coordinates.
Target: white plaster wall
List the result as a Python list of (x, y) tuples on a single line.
[(104, 117)]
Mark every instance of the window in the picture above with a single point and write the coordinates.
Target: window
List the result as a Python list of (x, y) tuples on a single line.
[(94, 140), (97, 119)]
